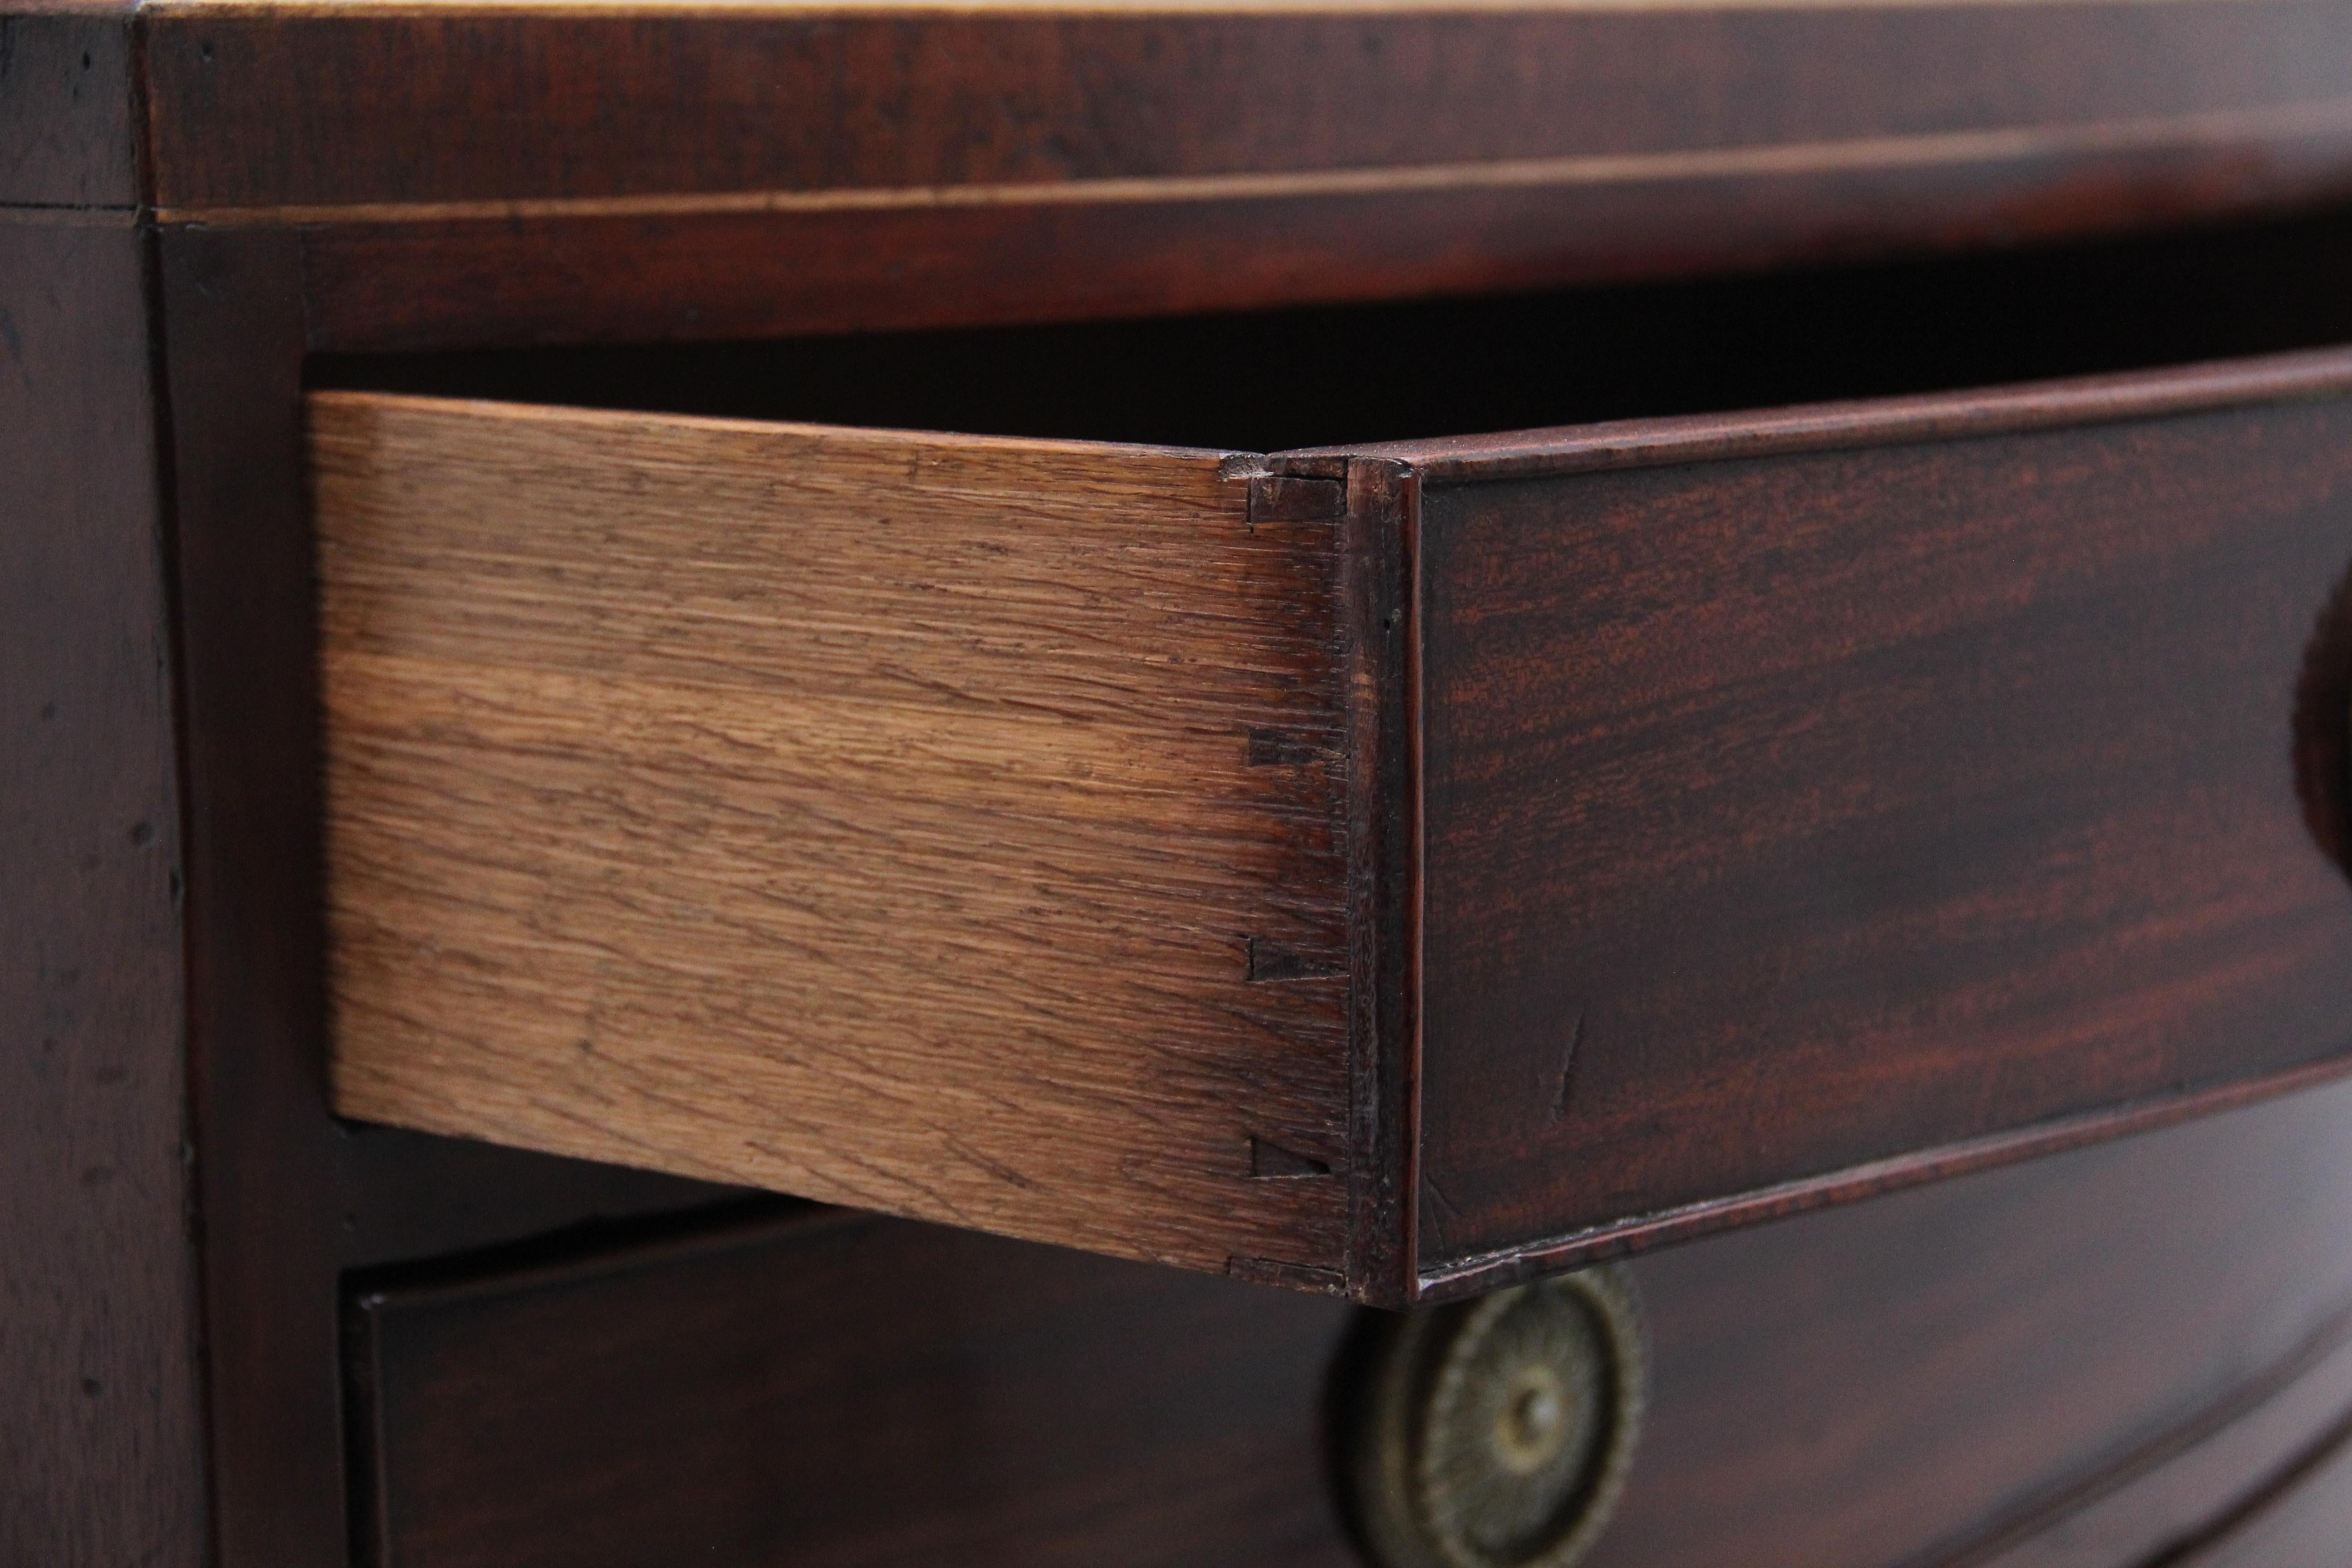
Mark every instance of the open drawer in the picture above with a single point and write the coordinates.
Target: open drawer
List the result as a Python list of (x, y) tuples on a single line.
[(1388, 870)]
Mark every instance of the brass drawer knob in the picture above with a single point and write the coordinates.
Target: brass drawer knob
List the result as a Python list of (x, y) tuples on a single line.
[(1494, 1432)]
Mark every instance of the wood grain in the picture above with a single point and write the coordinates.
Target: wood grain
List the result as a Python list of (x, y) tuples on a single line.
[(1789, 813), (940, 826), (430, 113)]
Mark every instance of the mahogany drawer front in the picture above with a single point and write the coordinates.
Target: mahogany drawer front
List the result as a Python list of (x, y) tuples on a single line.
[(1786, 814), (1999, 1370), (1388, 870)]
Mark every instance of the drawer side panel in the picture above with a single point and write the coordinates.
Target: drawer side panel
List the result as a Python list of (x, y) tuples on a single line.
[(943, 826)]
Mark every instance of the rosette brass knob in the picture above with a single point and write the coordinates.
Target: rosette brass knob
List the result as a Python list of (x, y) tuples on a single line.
[(1494, 1433)]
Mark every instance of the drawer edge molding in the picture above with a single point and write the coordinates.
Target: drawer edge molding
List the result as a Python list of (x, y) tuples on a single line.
[(1457, 1278)]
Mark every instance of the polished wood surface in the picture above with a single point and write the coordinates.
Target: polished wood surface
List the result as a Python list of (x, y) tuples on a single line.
[(263, 108), (821, 1390), (942, 825), (843, 1390), (1813, 790), (2189, 1486), (101, 1442), (684, 171), (699, 277), (1900, 1382)]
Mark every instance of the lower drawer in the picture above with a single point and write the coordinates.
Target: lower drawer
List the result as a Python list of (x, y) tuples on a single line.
[(2303, 1520), (2101, 1352), (1389, 871)]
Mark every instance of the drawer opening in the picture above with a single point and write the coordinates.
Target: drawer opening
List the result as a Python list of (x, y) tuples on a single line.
[(1276, 381)]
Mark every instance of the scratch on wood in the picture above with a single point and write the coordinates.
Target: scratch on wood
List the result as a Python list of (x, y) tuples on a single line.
[(1567, 1068), (1271, 1161), (1290, 1275), (1269, 963), (997, 1168), (1279, 749), (1435, 1214)]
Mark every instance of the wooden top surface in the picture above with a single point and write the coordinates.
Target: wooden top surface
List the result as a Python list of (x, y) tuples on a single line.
[(1201, 154)]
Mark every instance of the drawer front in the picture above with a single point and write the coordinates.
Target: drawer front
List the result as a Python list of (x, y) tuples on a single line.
[(840, 1391), (1391, 870), (1984, 1364), (1786, 814)]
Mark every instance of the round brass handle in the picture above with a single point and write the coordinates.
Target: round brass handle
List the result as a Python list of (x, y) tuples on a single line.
[(1494, 1432)]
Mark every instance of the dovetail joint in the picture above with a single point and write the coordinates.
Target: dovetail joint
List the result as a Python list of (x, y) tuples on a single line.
[(1284, 497)]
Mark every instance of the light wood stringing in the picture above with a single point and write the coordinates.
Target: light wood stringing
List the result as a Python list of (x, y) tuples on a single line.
[(867, 815)]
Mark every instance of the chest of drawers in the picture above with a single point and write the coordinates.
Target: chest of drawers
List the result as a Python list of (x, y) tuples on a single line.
[(1379, 651)]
